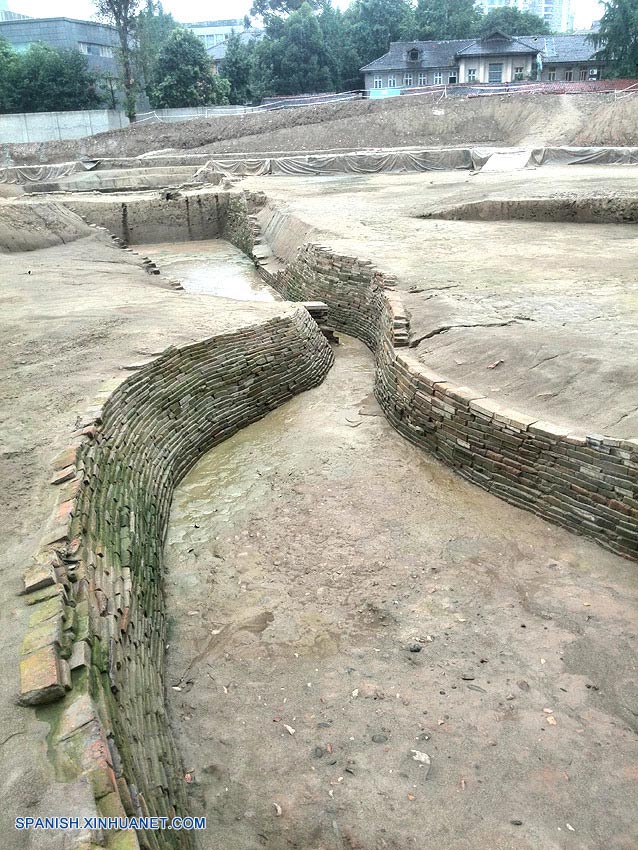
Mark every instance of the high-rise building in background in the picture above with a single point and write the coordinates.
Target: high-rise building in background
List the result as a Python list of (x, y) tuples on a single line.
[(557, 14)]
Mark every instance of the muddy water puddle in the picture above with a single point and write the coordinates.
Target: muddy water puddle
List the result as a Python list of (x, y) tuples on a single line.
[(364, 648), (210, 267)]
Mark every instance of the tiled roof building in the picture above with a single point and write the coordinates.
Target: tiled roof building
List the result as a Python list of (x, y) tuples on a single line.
[(495, 58)]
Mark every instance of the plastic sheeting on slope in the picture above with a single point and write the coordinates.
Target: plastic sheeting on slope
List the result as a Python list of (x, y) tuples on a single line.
[(41, 173), (585, 156)]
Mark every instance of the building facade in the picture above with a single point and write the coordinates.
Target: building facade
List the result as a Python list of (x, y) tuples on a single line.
[(98, 42), (493, 59), (215, 32)]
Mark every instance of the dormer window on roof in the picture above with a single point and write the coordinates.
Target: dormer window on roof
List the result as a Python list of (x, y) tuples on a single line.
[(413, 54)]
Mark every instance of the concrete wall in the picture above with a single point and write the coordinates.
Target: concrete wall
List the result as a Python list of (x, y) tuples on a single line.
[(56, 126)]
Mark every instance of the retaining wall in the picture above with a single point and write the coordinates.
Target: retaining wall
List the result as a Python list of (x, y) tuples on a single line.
[(587, 483), (28, 127), (98, 629)]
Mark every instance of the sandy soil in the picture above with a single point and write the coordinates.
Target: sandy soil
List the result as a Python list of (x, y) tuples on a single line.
[(73, 316), (585, 119), (554, 305), (345, 608)]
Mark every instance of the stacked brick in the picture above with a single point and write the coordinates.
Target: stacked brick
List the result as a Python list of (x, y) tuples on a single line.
[(98, 630), (587, 483)]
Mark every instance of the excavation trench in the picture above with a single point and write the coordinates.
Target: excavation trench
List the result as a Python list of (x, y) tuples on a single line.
[(344, 608), (362, 647)]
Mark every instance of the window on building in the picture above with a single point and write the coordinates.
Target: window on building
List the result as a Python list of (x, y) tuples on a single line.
[(518, 72), (551, 74), (569, 75), (392, 81), (495, 72), (438, 78), (583, 74), (93, 49), (413, 55), (452, 77), (471, 75), (423, 79), (407, 79), (378, 83), (106, 51)]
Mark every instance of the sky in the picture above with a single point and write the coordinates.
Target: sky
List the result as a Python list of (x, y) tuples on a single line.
[(187, 11)]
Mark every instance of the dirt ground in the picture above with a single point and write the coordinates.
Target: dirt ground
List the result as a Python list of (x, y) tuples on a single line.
[(72, 316), (543, 315), (367, 652), (583, 119)]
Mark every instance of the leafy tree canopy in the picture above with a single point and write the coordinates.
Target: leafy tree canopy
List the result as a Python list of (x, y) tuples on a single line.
[(184, 76), (370, 26), (236, 68), (295, 62), (512, 21), (440, 20), (122, 14), (44, 79), (153, 28), (617, 39)]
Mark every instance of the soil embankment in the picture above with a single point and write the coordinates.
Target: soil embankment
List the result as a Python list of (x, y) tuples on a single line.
[(587, 119)]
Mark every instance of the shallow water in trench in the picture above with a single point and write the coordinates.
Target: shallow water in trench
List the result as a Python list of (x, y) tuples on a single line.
[(210, 267), (308, 558)]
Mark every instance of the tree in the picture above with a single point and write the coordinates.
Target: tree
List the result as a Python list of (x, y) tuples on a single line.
[(295, 62), (274, 12), (236, 68), (153, 28), (46, 79), (122, 14), (8, 62), (511, 21), (617, 39), (333, 29), (440, 20), (370, 27), (184, 76)]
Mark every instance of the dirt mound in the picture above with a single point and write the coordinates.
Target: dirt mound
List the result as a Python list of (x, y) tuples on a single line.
[(587, 119), (28, 227)]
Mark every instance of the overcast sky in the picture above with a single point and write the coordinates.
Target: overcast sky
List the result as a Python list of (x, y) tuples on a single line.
[(203, 10)]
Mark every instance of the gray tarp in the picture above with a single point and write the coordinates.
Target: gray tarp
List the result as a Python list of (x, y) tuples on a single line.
[(585, 156), (38, 173), (373, 162)]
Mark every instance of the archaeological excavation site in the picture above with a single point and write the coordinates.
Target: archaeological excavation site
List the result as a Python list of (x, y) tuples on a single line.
[(319, 446)]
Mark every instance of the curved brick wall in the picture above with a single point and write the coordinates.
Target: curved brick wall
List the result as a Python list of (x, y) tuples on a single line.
[(588, 483), (93, 658)]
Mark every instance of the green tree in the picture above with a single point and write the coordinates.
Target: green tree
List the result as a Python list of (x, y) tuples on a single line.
[(295, 62), (512, 21), (184, 76), (123, 14), (8, 77), (333, 29), (616, 41), (236, 68), (274, 12), (46, 80), (153, 28), (440, 20), (370, 27)]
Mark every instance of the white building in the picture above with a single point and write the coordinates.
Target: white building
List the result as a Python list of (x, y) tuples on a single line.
[(216, 32)]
